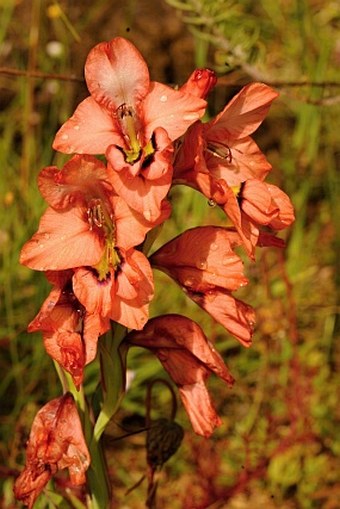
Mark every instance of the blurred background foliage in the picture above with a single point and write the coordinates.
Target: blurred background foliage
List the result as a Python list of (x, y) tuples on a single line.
[(278, 446)]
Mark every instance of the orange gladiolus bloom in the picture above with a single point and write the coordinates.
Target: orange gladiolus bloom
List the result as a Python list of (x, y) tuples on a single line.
[(131, 120), (203, 263), (189, 358), (56, 442), (221, 160), (89, 229)]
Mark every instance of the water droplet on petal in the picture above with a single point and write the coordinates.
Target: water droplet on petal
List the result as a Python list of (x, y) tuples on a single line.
[(213, 246), (211, 203), (189, 282), (76, 127), (163, 98), (64, 137), (46, 236), (201, 264), (41, 245)]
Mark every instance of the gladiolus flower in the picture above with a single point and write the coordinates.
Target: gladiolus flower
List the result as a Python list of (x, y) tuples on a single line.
[(56, 442), (130, 119), (203, 263), (221, 160), (189, 358), (92, 232)]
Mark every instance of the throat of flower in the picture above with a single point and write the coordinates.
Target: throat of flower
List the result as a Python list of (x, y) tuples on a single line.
[(109, 260), (100, 219)]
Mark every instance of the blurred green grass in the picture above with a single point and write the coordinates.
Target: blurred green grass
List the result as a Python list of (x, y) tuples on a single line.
[(278, 445)]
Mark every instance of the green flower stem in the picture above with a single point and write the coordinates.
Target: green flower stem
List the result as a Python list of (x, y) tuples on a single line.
[(112, 360)]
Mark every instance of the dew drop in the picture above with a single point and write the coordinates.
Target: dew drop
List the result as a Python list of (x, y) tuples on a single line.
[(76, 127), (64, 137), (211, 203), (41, 245), (163, 98), (201, 264), (46, 236), (189, 282), (213, 246), (62, 237)]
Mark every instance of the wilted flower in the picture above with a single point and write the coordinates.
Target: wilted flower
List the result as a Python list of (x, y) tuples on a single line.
[(56, 442), (189, 358)]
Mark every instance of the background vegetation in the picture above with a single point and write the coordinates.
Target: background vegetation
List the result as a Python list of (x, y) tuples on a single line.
[(278, 446)]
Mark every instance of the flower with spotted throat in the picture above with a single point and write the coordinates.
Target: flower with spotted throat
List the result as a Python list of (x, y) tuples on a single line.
[(132, 120)]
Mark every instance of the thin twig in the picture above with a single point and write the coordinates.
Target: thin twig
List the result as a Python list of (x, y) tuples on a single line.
[(9, 71)]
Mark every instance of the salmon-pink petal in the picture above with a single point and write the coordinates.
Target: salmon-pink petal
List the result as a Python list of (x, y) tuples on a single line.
[(131, 226), (267, 239), (189, 358), (171, 109), (245, 112), (56, 442), (199, 407), (236, 316), (285, 215), (245, 228), (94, 326), (161, 159), (93, 294), (242, 160), (63, 241), (116, 74), (44, 320), (81, 177), (200, 83), (202, 258), (90, 130), (175, 334), (132, 314), (135, 278), (144, 196), (257, 202)]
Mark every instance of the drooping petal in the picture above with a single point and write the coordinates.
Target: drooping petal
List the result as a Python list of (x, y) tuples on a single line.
[(90, 130), (170, 109), (236, 316), (64, 240), (199, 407), (245, 112), (202, 258), (116, 74), (189, 358), (56, 442)]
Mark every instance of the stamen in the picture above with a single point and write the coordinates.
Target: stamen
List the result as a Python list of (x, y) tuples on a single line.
[(221, 151)]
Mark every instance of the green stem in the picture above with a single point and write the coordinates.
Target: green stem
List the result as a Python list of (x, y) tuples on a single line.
[(113, 384)]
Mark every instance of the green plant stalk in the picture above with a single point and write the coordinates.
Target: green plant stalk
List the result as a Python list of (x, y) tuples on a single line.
[(113, 385)]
